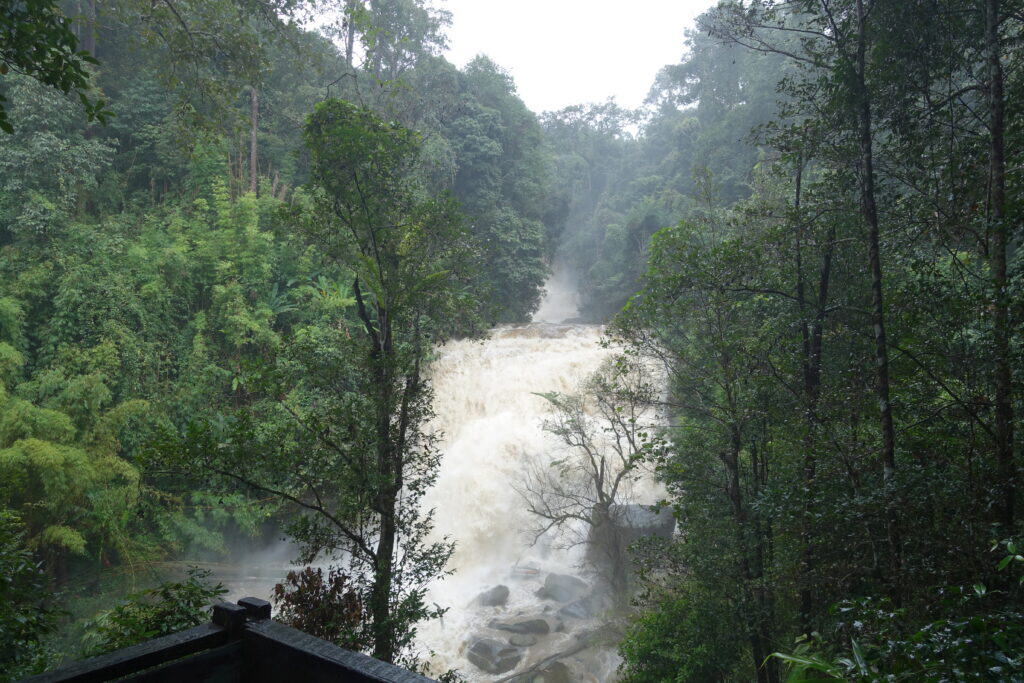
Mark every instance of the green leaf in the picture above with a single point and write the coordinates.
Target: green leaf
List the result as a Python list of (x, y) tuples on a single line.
[(858, 655)]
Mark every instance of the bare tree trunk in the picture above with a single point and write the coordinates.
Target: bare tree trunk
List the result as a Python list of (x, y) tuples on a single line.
[(389, 476), (811, 336), (243, 155), (1004, 437), (870, 210), (806, 535), (350, 35), (89, 28), (756, 597), (254, 114), (383, 577)]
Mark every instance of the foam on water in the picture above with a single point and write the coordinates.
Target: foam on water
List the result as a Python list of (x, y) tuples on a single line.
[(488, 408)]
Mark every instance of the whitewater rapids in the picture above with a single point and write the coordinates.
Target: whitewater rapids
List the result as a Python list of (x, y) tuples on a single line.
[(488, 409)]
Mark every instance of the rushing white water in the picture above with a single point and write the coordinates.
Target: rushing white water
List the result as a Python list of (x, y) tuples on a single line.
[(492, 418), (488, 408)]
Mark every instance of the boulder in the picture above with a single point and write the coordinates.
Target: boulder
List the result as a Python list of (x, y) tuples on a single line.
[(562, 588), (493, 656), (522, 640), (556, 672), (577, 609), (493, 597), (536, 626)]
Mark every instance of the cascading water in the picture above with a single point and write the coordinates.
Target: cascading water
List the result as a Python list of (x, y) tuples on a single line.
[(488, 409), (561, 301)]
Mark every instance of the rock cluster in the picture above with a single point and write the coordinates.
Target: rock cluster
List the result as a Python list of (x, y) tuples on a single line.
[(505, 643), (493, 656)]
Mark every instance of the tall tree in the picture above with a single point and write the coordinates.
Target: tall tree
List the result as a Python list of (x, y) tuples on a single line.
[(1000, 231), (254, 114)]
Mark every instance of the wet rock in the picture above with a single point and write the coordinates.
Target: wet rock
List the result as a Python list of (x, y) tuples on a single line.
[(577, 609), (493, 656), (556, 673), (562, 587), (522, 640), (587, 607), (538, 626), (525, 678), (494, 597)]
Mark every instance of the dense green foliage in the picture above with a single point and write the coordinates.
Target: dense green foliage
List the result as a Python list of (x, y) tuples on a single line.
[(27, 613), (337, 414), (838, 318), (170, 607)]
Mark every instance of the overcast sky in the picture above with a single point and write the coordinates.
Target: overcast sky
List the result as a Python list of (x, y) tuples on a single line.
[(564, 52)]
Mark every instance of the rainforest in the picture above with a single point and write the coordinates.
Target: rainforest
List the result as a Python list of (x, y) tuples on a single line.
[(723, 383)]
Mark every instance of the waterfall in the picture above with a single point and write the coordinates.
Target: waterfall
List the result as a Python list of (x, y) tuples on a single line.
[(561, 297), (488, 410)]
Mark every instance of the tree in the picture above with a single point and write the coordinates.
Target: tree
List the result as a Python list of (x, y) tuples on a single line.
[(834, 41), (50, 167), (501, 179), (690, 319), (409, 260), (607, 431), (763, 312), (1004, 426)]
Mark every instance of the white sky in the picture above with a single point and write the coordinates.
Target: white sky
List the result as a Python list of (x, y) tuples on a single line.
[(564, 52)]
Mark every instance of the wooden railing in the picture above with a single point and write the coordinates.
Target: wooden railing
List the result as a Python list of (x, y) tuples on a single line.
[(241, 644)]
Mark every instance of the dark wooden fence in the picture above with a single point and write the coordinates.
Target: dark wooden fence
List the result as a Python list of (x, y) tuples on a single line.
[(241, 644)]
